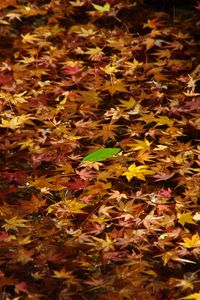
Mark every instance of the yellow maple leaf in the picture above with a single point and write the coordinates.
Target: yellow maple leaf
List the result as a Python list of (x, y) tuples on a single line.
[(153, 23), (77, 3), (141, 145), (194, 242), (14, 99), (102, 9), (143, 156), (182, 36), (98, 188), (148, 118), (128, 104), (182, 284), (16, 122), (29, 38), (164, 120), (110, 68), (28, 143), (87, 29), (195, 296), (117, 85), (14, 223), (178, 159), (94, 52), (62, 274), (24, 255), (163, 53), (133, 65), (149, 42), (24, 240), (105, 244), (137, 171), (75, 207), (185, 218)]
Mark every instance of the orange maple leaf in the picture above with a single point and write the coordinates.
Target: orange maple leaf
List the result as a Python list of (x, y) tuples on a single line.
[(33, 205)]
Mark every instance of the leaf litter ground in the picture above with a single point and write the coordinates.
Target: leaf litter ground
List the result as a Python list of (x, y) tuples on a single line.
[(77, 77)]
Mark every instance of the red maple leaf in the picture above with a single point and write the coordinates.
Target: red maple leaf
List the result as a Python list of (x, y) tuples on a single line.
[(72, 70), (162, 176), (85, 174), (6, 237), (5, 78), (77, 184), (166, 193), (21, 287), (18, 176), (33, 205)]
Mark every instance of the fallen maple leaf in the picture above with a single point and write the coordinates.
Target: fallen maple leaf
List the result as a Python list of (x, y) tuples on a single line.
[(85, 174), (6, 237), (77, 184), (33, 205), (165, 192), (95, 282), (5, 78), (23, 255), (117, 85), (137, 171), (128, 104), (63, 274), (191, 243), (14, 223), (107, 132), (186, 218), (195, 296), (140, 145), (197, 7), (18, 176), (115, 194), (102, 9), (21, 287), (29, 38), (153, 23), (72, 70), (6, 3), (162, 176), (17, 122)]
